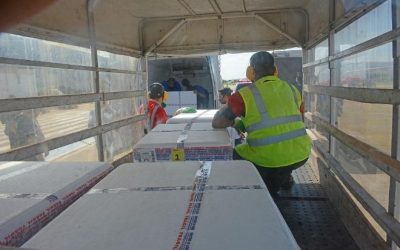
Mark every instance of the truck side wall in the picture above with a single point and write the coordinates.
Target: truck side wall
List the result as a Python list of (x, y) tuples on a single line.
[(352, 217)]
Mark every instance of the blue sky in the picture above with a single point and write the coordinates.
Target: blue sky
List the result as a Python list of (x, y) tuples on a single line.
[(233, 66)]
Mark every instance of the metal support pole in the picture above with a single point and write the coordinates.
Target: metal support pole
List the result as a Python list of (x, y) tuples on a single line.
[(332, 70), (244, 6), (220, 34), (168, 34), (215, 6), (395, 114), (145, 64), (93, 49), (305, 77), (187, 7)]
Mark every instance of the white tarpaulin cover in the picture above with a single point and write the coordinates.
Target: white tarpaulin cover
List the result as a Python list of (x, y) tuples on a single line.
[(183, 27), (172, 205)]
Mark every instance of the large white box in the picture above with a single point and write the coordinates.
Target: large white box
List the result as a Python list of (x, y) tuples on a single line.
[(33, 193), (156, 206), (188, 99), (202, 115), (197, 145), (179, 99), (173, 103)]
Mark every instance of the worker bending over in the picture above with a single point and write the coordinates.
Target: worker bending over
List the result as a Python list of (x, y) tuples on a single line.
[(277, 142)]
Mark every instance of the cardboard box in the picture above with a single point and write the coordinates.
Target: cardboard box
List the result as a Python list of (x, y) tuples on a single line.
[(197, 145), (202, 115), (173, 103), (179, 99), (157, 206), (33, 193), (188, 99)]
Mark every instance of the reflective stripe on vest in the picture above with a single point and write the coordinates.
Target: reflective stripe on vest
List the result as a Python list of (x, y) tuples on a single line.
[(276, 138), (265, 121)]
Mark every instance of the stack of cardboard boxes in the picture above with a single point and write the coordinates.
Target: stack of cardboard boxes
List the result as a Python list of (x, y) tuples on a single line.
[(176, 142), (172, 205)]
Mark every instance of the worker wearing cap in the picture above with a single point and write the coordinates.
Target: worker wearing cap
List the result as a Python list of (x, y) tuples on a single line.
[(224, 94), (270, 111), (171, 85), (156, 112)]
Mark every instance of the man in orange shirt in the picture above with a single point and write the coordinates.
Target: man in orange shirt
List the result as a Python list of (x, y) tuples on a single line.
[(156, 112)]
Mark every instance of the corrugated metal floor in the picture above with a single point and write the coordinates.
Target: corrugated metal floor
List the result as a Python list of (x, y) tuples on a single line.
[(310, 216)]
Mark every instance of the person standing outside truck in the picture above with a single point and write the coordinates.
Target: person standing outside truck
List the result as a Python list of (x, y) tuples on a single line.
[(22, 129), (156, 113), (277, 142)]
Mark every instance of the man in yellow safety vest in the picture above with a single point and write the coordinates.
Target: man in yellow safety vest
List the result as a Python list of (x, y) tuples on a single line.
[(271, 114)]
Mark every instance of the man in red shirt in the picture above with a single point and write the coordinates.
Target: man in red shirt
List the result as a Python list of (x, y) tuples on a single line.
[(156, 112)]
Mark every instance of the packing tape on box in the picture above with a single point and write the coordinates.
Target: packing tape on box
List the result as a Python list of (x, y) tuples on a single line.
[(135, 189), (176, 188), (178, 154), (188, 226)]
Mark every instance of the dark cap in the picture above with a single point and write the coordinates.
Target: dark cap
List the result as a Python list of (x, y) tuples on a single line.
[(156, 90), (263, 59), (225, 91)]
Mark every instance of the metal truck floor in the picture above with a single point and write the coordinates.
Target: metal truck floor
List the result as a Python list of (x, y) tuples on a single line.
[(310, 216)]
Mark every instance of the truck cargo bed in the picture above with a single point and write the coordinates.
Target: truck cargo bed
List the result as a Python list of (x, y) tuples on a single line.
[(310, 216)]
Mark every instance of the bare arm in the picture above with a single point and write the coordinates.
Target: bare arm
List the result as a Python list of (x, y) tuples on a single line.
[(220, 121)]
